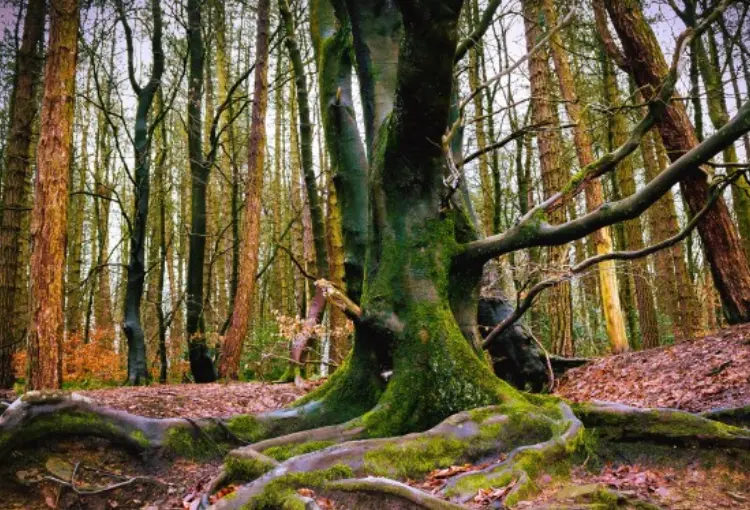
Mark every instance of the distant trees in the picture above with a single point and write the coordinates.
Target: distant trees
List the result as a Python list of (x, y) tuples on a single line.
[(538, 165)]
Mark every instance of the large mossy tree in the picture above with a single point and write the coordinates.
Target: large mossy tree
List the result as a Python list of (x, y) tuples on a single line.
[(413, 259), (413, 265)]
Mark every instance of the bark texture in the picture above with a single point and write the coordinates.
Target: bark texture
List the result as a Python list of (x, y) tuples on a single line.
[(18, 168), (554, 175), (243, 302), (721, 242), (49, 216)]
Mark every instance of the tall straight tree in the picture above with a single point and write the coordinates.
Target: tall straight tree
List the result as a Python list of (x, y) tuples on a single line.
[(317, 304), (553, 174), (201, 364), (723, 248), (632, 229), (50, 212), (137, 369), (17, 173), (229, 363), (609, 293)]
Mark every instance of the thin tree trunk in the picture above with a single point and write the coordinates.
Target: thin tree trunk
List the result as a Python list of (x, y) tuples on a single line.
[(201, 364), (609, 293), (18, 169), (317, 305), (49, 215), (661, 218), (485, 178), (231, 352), (633, 229), (161, 194), (553, 177), (137, 361), (75, 237)]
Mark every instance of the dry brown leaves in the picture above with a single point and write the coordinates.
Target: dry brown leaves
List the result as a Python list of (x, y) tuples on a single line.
[(200, 400), (697, 375)]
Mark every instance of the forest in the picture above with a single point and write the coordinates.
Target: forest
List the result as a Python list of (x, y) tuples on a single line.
[(374, 254)]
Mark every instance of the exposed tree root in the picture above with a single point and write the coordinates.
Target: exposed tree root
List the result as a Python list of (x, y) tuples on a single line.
[(464, 437), (520, 466), (737, 416), (525, 438), (618, 422), (38, 415), (386, 487)]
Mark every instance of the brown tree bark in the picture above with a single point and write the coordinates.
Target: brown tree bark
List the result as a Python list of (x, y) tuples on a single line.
[(229, 363), (689, 307), (632, 228), (18, 171), (49, 215), (553, 175), (722, 244), (609, 293)]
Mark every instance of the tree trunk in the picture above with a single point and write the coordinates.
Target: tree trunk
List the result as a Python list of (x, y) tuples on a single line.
[(688, 301), (49, 216), (722, 245), (231, 352), (317, 304), (137, 361), (609, 293), (101, 286), (75, 227), (18, 171), (633, 230), (661, 219), (554, 177), (713, 81), (201, 364)]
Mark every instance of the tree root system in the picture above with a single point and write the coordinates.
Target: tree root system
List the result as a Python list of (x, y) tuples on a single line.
[(509, 447)]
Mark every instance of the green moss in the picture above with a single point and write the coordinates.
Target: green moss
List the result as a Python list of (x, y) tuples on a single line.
[(60, 424), (245, 469), (140, 438), (415, 458), (661, 426), (471, 484), (282, 453), (193, 444), (280, 492), (246, 427)]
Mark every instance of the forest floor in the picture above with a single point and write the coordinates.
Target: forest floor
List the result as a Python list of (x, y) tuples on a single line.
[(698, 375)]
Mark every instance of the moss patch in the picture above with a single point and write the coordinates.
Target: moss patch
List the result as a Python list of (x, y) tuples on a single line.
[(279, 494), (246, 427), (193, 444), (282, 453), (245, 469), (140, 438)]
